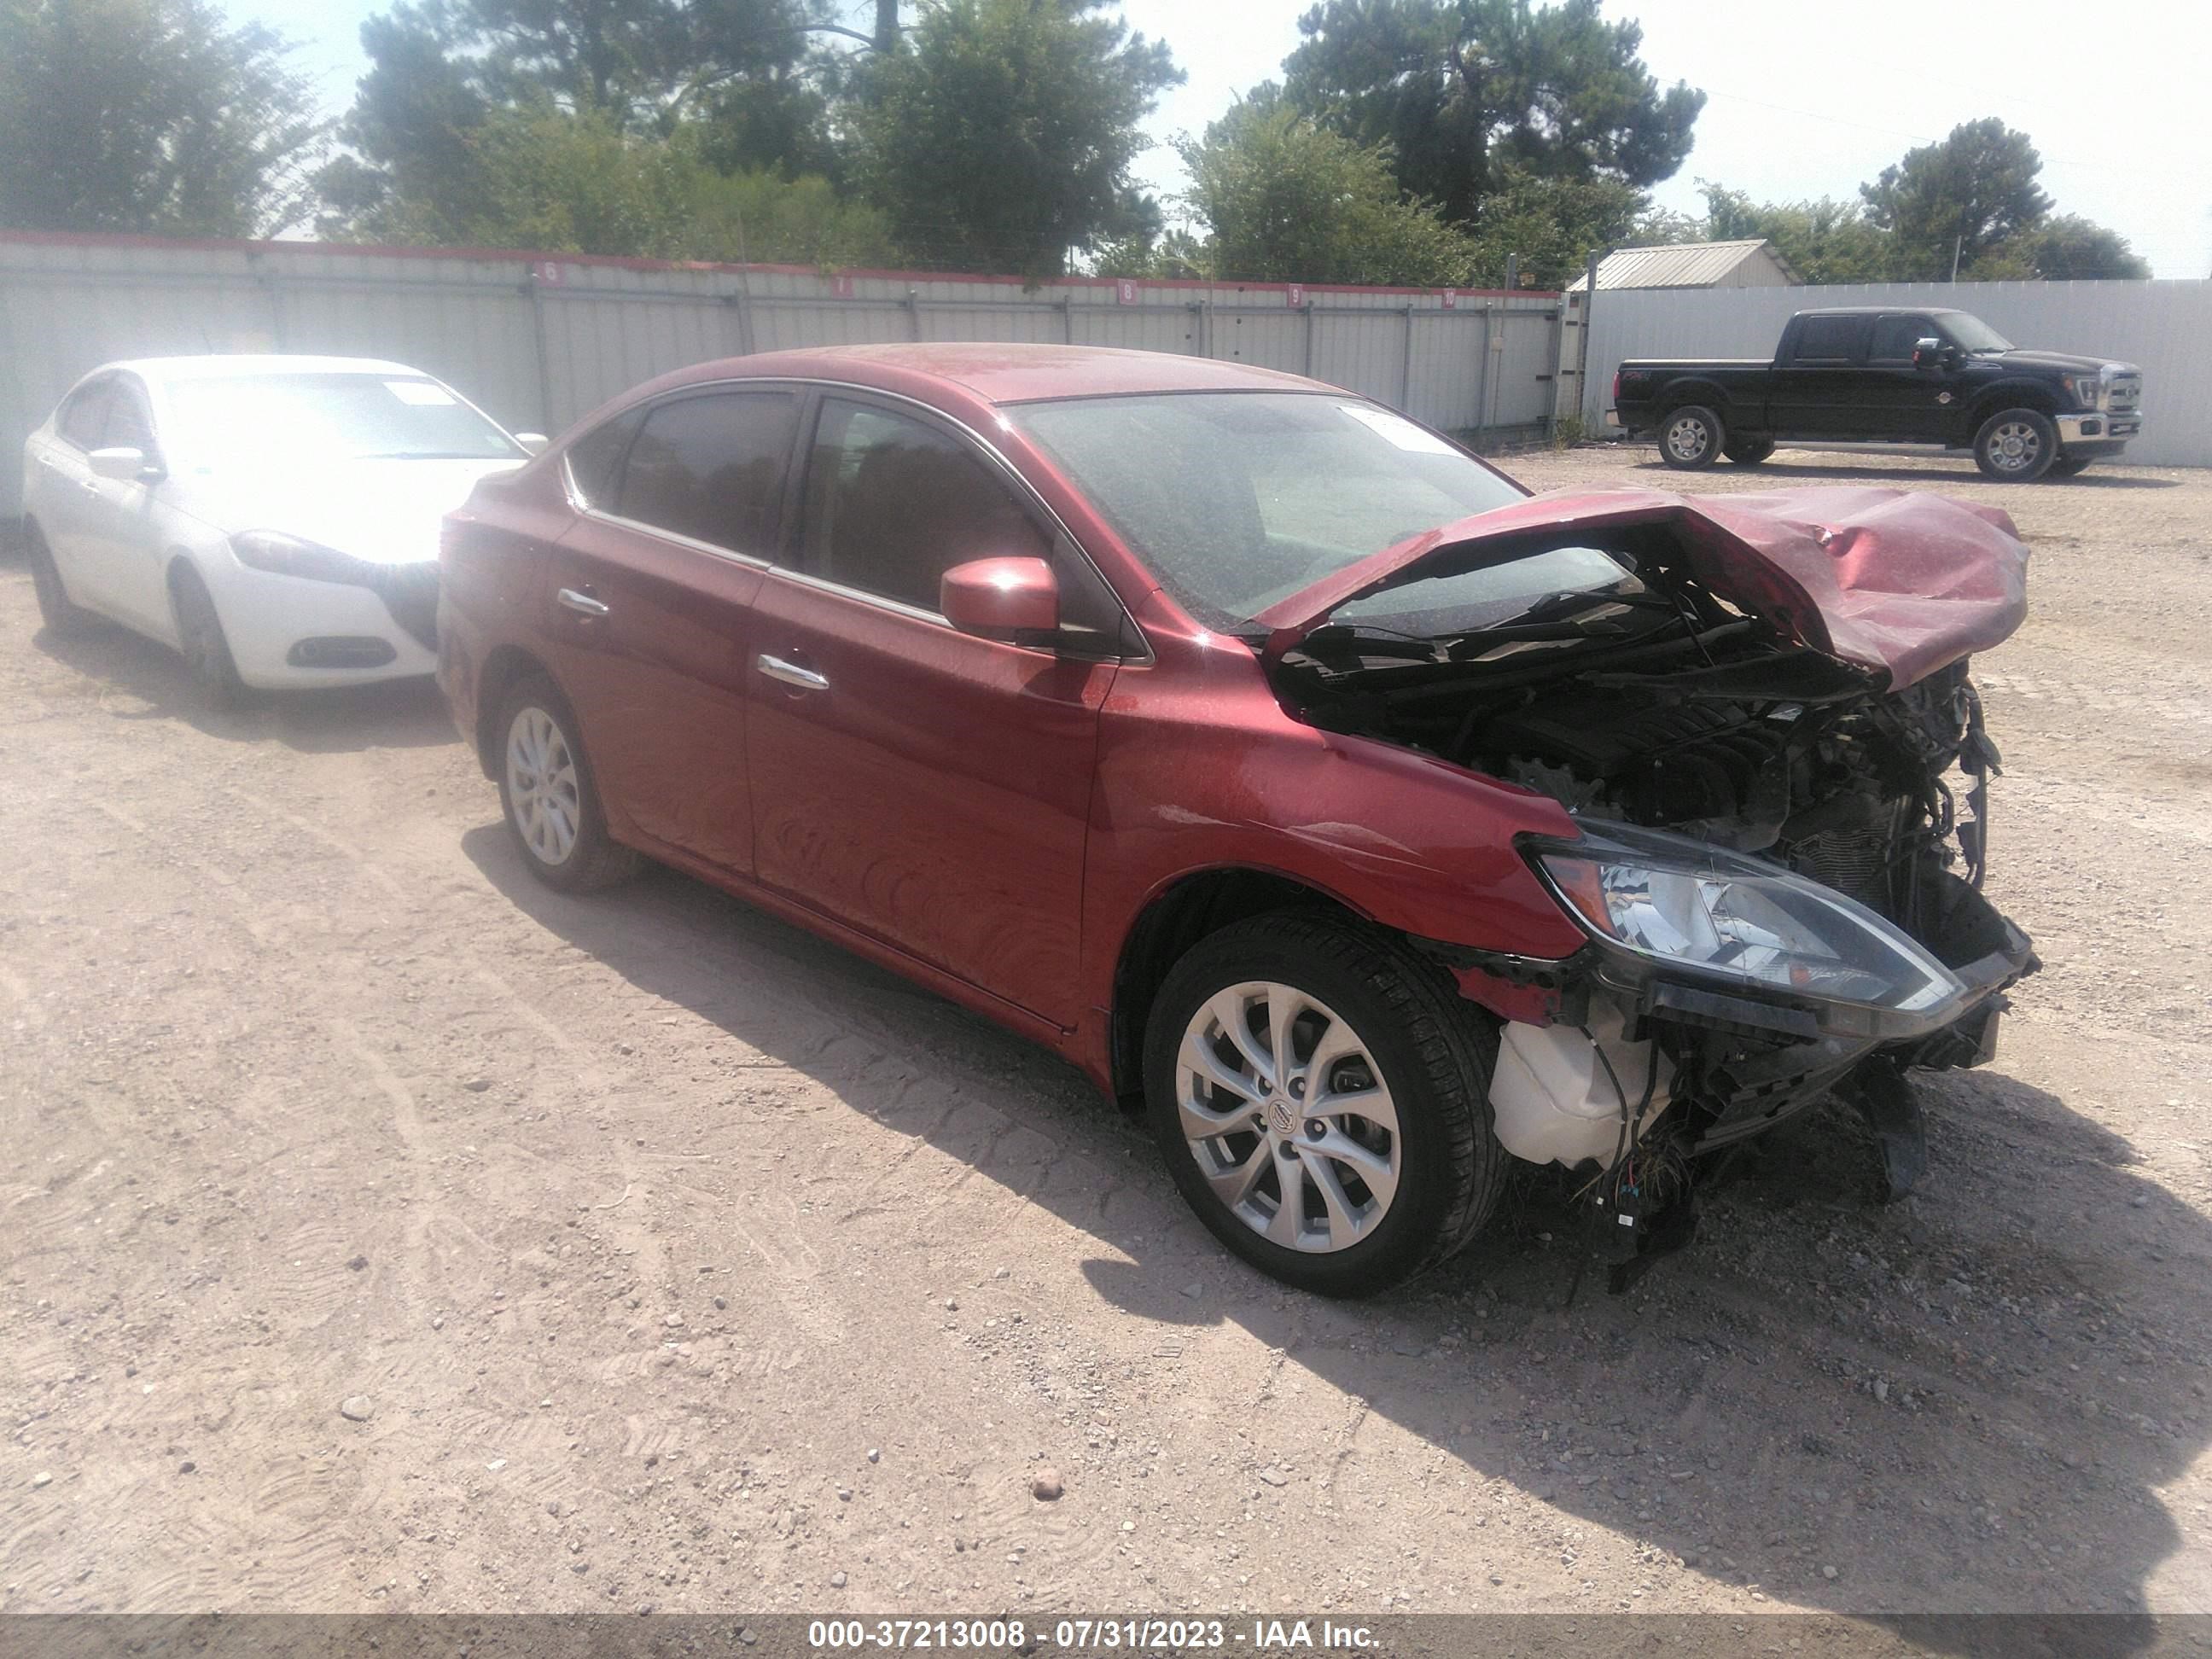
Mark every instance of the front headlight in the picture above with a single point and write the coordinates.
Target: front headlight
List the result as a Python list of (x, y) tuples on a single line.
[(2088, 390), (1721, 916), (295, 556)]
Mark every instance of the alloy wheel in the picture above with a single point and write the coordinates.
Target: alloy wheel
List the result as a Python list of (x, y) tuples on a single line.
[(1687, 438), (1288, 1115), (2016, 447), (541, 789)]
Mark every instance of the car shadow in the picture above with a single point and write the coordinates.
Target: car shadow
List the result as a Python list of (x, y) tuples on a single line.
[(1960, 1397), (1963, 471), (406, 713)]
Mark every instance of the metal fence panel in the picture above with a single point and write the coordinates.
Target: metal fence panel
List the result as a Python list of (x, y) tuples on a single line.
[(540, 341), (2166, 327)]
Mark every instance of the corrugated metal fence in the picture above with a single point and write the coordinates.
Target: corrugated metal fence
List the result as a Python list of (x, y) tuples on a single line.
[(540, 341), (2164, 327)]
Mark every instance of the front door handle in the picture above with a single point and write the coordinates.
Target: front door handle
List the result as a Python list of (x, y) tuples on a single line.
[(791, 674), (582, 603)]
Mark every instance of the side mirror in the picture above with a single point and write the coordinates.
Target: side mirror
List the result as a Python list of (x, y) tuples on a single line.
[(1015, 599), (533, 442), (1928, 353), (126, 465)]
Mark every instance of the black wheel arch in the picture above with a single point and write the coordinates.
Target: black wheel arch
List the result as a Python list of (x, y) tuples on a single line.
[(1175, 918), (2037, 395), (507, 664)]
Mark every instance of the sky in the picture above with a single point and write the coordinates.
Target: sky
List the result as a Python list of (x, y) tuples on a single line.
[(1802, 100)]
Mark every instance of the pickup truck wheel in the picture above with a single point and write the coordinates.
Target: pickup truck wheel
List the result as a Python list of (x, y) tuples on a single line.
[(2016, 444), (2069, 466), (1321, 1096), (1750, 452), (1691, 437)]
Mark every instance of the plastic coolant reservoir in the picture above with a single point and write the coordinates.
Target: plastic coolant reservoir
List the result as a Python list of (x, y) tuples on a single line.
[(1551, 1098)]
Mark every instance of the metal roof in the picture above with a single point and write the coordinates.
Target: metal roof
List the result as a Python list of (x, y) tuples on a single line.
[(1682, 265)]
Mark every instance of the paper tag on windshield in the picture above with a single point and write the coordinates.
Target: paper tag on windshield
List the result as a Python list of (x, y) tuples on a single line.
[(420, 393), (1398, 430)]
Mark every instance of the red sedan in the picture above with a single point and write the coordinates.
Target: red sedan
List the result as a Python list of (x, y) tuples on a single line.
[(1365, 822)]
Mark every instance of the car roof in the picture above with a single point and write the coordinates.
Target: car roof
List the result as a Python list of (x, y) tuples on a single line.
[(1005, 373), (1884, 311), (235, 365)]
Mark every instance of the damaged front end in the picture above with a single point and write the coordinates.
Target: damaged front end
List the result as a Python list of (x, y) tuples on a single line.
[(1758, 711)]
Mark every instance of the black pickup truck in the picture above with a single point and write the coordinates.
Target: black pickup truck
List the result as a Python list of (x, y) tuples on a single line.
[(1869, 375)]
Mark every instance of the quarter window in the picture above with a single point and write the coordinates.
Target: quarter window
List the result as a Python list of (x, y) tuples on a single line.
[(712, 468), (1831, 339), (595, 460), (892, 504)]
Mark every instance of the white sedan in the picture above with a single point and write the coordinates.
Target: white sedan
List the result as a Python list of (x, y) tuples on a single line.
[(274, 518)]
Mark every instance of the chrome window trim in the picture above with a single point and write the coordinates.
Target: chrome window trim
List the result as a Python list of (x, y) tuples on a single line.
[(1006, 468)]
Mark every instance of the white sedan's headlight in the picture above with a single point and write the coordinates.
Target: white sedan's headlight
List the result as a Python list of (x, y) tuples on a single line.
[(288, 555), (1718, 915)]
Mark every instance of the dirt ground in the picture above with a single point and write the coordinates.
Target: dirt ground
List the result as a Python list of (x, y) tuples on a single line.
[(682, 1261)]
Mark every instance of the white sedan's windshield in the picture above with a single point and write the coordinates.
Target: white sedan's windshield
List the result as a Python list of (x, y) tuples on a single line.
[(1236, 500), (250, 419)]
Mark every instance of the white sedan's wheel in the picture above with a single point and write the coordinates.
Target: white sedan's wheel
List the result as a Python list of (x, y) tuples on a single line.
[(1288, 1115)]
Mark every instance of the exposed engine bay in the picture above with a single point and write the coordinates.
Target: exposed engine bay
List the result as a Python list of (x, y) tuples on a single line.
[(1662, 700)]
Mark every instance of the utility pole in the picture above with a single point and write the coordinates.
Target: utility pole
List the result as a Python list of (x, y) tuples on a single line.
[(1957, 242), (887, 25)]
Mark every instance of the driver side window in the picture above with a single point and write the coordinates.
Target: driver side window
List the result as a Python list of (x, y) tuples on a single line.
[(84, 416), (1895, 337)]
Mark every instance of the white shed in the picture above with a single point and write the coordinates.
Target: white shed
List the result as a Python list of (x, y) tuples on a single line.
[(1754, 264)]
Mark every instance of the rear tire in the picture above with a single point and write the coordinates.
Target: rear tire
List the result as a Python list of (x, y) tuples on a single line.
[(2070, 466), (202, 642), (547, 792), (1750, 452), (61, 616), (1691, 437), (2016, 445), (1407, 1168)]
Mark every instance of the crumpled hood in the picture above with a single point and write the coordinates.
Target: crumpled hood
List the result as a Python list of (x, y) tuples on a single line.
[(387, 512), (1900, 582)]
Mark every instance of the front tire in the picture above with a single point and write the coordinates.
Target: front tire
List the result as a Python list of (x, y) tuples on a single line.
[(1748, 452), (1691, 437), (202, 642), (547, 792), (1369, 1157), (61, 616), (2016, 445)]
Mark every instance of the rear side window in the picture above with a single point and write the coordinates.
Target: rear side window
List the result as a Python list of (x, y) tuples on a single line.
[(595, 460), (1831, 339), (1895, 337), (892, 504), (84, 416), (712, 468)]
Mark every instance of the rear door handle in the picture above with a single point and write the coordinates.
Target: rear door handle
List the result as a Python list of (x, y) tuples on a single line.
[(791, 674), (582, 603)]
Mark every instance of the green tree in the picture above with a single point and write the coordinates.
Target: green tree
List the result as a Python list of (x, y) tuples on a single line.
[(150, 115), (1461, 89), (1973, 193), (1824, 240), (1551, 223), (1282, 198), (1000, 136), (2068, 248)]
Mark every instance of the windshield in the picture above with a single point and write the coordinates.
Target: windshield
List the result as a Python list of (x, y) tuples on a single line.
[(1969, 333), (252, 419), (1236, 500)]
